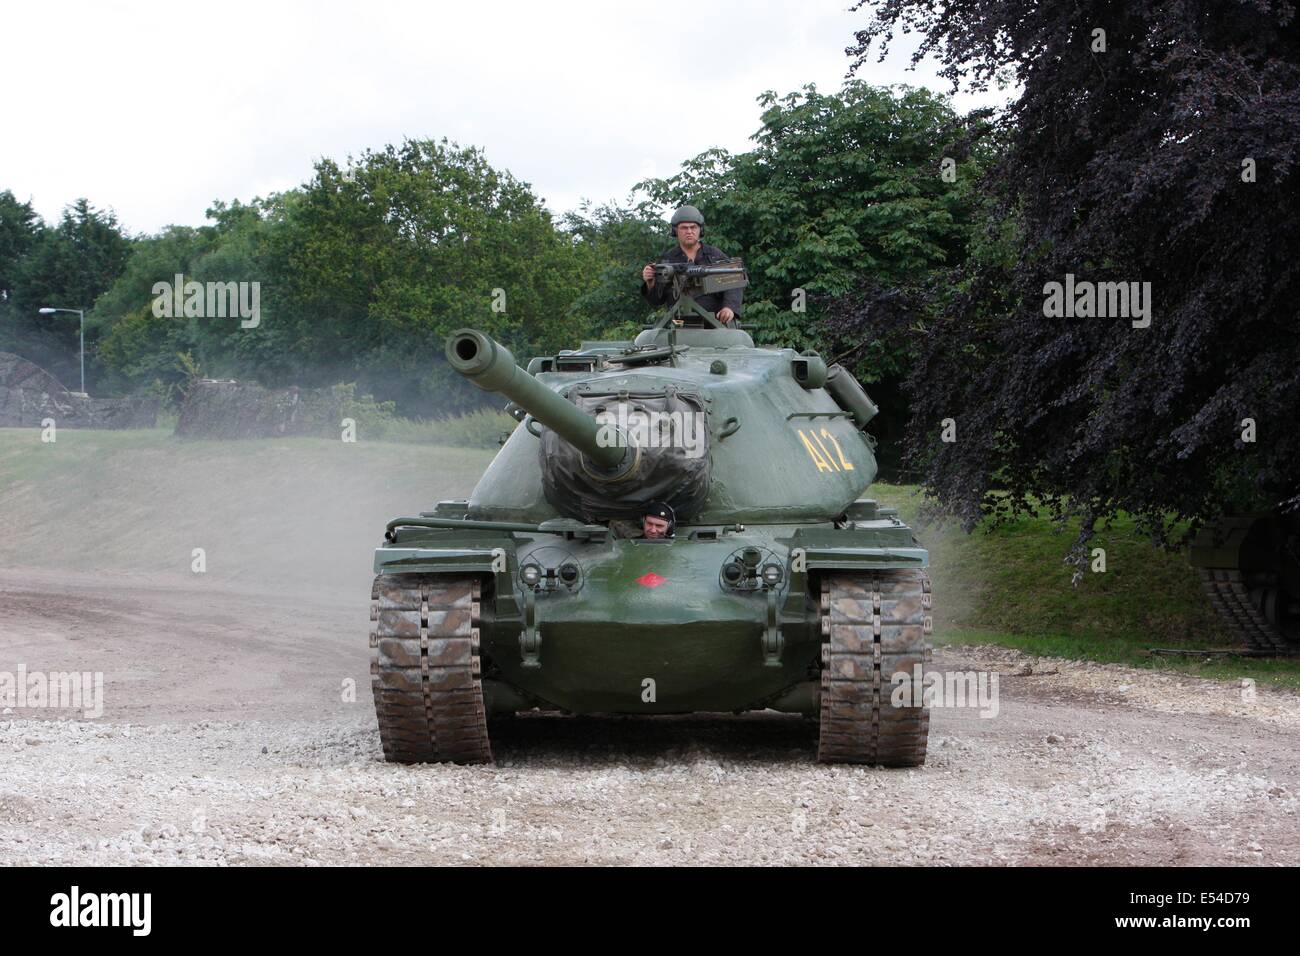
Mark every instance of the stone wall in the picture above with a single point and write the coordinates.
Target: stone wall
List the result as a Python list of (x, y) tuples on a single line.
[(228, 409), (29, 395)]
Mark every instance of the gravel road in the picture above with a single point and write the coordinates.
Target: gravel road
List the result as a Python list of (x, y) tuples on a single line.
[(237, 728)]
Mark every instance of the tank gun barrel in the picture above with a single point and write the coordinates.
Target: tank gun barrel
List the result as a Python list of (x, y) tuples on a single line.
[(489, 365)]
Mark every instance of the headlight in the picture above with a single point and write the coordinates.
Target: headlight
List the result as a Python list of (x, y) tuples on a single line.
[(772, 575), (733, 572), (530, 574)]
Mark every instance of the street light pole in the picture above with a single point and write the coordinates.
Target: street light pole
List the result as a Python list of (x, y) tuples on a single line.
[(81, 315)]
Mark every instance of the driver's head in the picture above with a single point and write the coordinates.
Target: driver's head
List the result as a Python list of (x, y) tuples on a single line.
[(659, 521)]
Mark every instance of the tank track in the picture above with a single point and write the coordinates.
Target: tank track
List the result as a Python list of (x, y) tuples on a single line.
[(1231, 598), (874, 624), (425, 669)]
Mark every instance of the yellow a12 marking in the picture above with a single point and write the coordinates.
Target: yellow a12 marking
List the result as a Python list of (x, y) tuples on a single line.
[(820, 454)]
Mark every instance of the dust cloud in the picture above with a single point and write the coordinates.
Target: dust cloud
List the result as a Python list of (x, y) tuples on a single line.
[(304, 514)]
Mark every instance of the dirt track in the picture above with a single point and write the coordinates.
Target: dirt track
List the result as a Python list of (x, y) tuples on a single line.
[(226, 739)]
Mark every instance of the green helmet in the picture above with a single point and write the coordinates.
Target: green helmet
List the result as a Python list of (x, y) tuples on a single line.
[(687, 214)]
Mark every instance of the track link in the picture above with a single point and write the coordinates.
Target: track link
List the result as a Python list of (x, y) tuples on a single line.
[(874, 624), (1231, 598), (425, 669)]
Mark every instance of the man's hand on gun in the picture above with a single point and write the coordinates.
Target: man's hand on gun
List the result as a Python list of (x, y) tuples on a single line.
[(651, 272)]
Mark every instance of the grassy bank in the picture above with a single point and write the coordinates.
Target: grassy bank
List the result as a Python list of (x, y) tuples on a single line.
[(1009, 585)]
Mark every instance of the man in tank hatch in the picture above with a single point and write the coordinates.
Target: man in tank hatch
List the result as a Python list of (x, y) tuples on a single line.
[(659, 520)]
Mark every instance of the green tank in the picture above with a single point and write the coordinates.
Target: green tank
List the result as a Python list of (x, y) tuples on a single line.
[(782, 587)]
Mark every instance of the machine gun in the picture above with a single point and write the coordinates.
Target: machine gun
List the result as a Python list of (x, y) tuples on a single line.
[(690, 281)]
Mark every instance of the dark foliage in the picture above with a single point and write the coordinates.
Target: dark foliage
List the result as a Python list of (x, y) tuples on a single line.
[(1126, 164)]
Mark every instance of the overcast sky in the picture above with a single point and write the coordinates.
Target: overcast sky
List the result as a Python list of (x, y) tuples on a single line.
[(156, 109)]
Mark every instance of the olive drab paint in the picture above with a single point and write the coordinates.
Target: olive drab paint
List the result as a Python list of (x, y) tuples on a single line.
[(573, 609)]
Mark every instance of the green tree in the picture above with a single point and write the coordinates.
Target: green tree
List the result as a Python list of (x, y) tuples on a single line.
[(373, 265), (840, 191), (363, 272), (68, 266), (20, 227), (139, 349), (614, 244)]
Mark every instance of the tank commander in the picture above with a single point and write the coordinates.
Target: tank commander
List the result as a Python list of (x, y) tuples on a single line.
[(687, 224)]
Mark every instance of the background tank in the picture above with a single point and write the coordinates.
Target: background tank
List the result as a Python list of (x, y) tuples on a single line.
[(1250, 567), (783, 588)]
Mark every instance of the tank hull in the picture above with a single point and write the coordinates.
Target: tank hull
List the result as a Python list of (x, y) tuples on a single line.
[(652, 626), (651, 629)]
